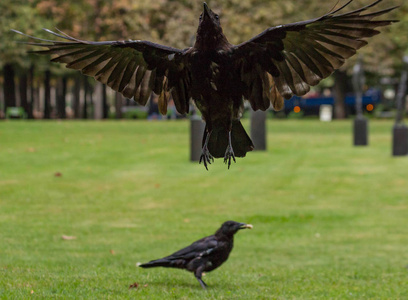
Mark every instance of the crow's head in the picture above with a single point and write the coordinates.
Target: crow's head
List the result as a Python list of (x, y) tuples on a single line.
[(209, 19), (229, 228), (209, 32)]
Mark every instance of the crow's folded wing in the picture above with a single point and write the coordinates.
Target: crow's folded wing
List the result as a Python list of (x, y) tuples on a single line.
[(132, 68), (200, 248), (286, 60)]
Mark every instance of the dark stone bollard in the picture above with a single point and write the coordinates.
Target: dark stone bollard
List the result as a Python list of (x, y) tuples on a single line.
[(197, 126), (400, 131), (400, 140), (258, 129), (360, 131), (360, 122)]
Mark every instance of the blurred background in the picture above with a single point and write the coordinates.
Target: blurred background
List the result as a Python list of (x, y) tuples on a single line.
[(32, 87), (81, 202)]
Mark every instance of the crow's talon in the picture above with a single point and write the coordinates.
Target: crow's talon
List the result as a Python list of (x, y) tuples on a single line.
[(229, 153), (206, 157), (202, 158)]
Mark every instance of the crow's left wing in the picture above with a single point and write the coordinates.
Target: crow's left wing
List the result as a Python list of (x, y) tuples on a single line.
[(132, 68), (286, 60), (200, 248)]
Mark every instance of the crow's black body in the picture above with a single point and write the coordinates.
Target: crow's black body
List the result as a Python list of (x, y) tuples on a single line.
[(218, 96), (203, 255), (278, 63)]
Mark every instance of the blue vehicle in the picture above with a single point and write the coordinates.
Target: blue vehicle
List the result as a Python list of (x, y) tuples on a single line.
[(311, 106)]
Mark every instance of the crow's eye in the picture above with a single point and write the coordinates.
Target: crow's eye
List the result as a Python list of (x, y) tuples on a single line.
[(217, 17)]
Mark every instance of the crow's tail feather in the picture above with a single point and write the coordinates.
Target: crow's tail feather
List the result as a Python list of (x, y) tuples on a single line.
[(156, 263), (167, 262), (218, 141)]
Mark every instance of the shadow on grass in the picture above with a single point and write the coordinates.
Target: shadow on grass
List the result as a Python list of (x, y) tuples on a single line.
[(194, 285)]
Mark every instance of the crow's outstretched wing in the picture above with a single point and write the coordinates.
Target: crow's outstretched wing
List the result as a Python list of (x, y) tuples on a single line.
[(132, 68), (286, 60)]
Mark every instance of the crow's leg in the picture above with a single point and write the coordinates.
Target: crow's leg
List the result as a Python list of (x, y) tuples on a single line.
[(198, 273), (203, 284), (206, 156), (229, 153)]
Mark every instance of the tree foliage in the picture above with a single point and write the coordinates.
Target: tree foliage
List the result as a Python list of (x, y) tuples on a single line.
[(174, 22), (23, 16)]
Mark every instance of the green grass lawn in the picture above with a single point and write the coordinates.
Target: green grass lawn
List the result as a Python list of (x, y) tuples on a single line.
[(330, 220)]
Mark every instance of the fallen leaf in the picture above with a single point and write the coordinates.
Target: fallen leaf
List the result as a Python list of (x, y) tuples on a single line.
[(112, 252), (68, 237), (146, 285), (31, 149), (32, 292), (58, 174), (157, 185), (134, 286)]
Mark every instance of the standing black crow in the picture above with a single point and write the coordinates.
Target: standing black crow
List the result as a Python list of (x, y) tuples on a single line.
[(278, 63), (203, 255)]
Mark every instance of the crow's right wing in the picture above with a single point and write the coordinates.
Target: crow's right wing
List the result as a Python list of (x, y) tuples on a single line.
[(133, 68)]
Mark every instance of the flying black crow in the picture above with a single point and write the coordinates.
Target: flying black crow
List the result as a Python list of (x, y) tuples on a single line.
[(278, 63), (203, 255)]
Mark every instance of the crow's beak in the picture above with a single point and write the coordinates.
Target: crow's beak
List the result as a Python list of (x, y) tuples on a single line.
[(206, 11), (243, 226)]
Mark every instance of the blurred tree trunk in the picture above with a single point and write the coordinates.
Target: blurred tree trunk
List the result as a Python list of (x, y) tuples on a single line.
[(61, 97), (9, 86), (77, 97), (99, 109), (30, 105), (23, 84), (339, 93), (118, 105), (91, 102), (86, 91), (105, 105), (47, 94)]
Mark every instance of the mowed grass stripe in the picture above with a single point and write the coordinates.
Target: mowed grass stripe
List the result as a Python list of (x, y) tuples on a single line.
[(329, 218)]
